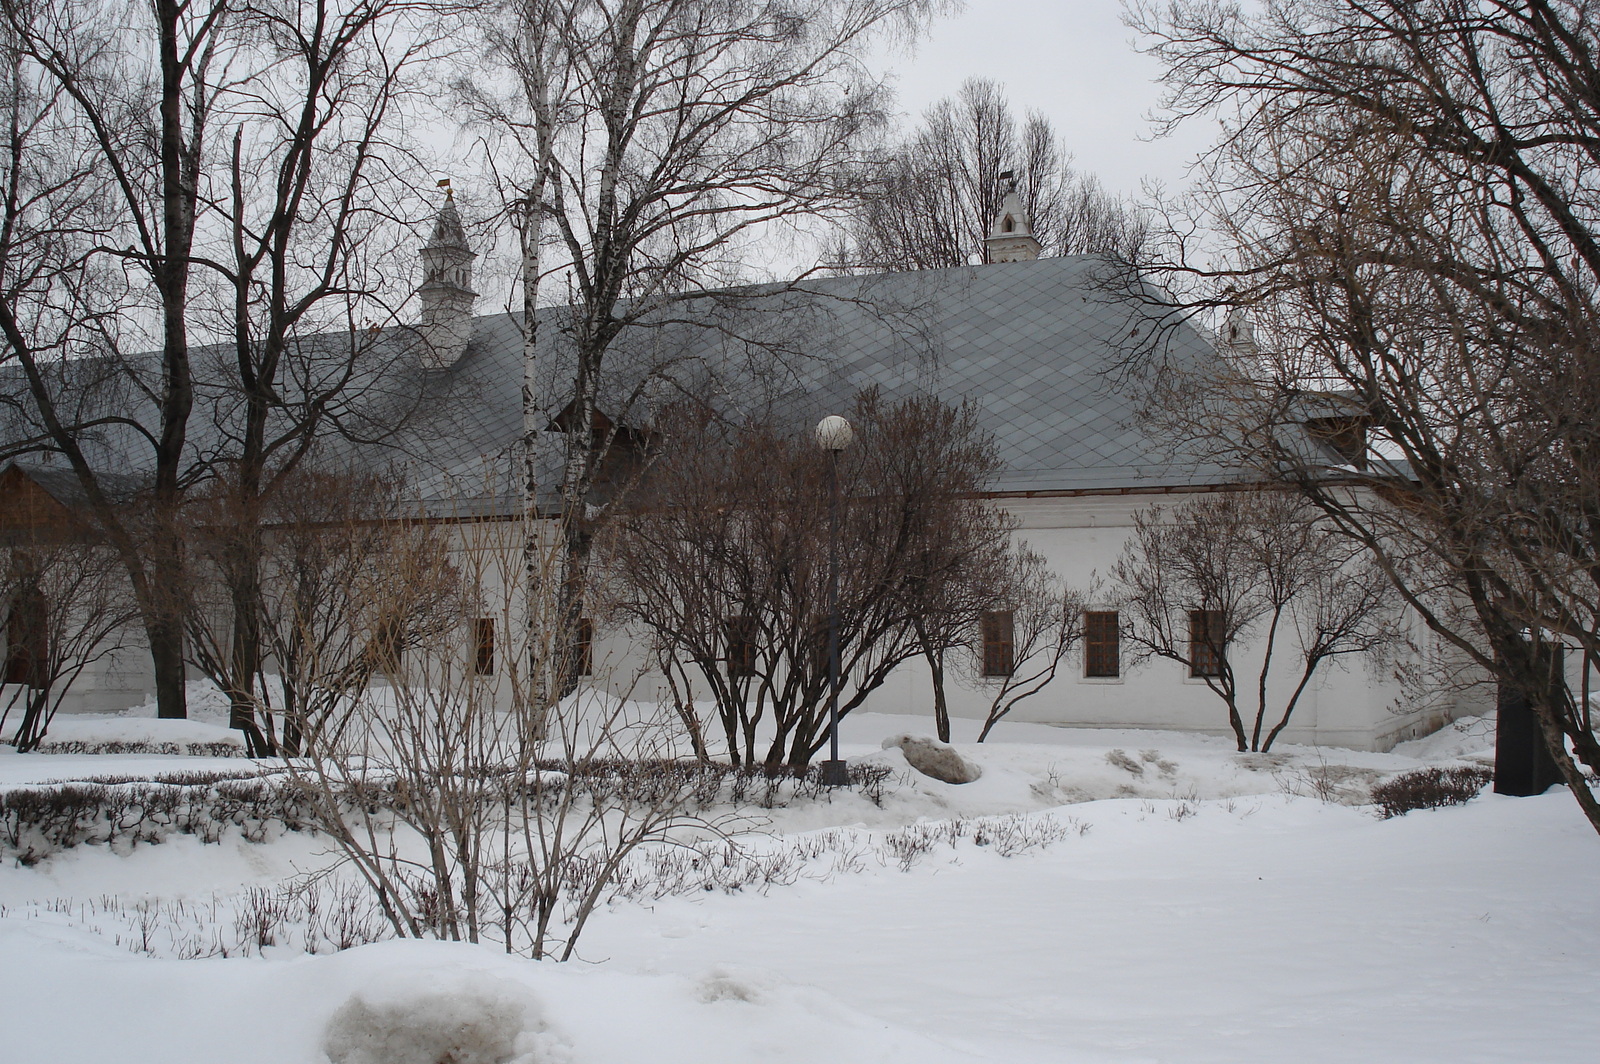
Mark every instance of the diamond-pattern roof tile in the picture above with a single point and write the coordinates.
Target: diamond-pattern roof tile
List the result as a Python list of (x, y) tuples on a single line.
[(1035, 345)]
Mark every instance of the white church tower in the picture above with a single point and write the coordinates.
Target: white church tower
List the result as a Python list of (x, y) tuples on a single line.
[(446, 290), (1010, 236)]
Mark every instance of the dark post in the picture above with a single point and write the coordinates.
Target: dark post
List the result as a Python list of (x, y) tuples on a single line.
[(834, 772), (1522, 762)]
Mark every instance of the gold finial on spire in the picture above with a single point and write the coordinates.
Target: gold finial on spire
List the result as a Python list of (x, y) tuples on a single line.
[(449, 193)]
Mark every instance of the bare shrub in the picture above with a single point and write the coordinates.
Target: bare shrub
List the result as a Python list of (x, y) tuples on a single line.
[(139, 746), (37, 822), (1120, 759), (724, 561), (328, 912), (1046, 623), (345, 576), (1010, 835), (1197, 579), (67, 605), (1429, 788), (473, 807)]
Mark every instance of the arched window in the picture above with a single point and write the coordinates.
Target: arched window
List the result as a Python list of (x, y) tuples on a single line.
[(1007, 224)]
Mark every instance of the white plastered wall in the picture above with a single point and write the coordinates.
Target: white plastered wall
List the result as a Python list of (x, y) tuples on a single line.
[(1356, 701), (117, 679)]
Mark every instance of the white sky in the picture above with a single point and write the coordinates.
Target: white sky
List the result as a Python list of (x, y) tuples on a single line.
[(1074, 61)]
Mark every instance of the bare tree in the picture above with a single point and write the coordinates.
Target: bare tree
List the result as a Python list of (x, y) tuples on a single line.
[(932, 201), (352, 577), (1407, 197), (67, 608), (315, 144), (1201, 578), (1046, 619), (653, 140), (724, 558), (260, 241), (63, 610), (139, 82), (472, 809)]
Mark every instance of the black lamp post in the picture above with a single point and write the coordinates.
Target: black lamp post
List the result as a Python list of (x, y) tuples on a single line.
[(833, 435)]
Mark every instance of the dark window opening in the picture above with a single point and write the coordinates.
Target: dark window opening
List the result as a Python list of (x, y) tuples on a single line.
[(739, 633), (1346, 437), (583, 646), (1007, 224), (1102, 643), (27, 640), (483, 639), (1206, 641), (998, 648)]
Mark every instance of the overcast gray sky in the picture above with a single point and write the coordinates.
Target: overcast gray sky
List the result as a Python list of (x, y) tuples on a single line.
[(1073, 60)]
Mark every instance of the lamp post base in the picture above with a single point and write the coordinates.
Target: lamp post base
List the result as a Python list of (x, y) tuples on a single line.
[(835, 773)]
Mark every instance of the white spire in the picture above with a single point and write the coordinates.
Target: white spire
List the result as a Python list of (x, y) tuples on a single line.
[(446, 290), (1239, 332), (1011, 236)]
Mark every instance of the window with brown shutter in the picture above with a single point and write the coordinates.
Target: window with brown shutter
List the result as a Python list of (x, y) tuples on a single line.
[(821, 649), (740, 635), (995, 628), (584, 646), (483, 637), (27, 659), (1206, 634), (1102, 643), (387, 648)]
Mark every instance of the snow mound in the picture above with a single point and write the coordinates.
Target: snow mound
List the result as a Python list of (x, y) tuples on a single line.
[(933, 758), (473, 1018), (730, 984), (1467, 737), (204, 701), (97, 730)]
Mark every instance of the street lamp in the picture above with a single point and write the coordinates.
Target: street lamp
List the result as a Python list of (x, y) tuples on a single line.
[(833, 435)]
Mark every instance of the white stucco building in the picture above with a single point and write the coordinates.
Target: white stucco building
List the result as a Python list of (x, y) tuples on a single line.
[(1039, 345)]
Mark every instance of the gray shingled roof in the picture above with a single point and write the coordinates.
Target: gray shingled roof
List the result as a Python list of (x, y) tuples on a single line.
[(1038, 346), (61, 484)]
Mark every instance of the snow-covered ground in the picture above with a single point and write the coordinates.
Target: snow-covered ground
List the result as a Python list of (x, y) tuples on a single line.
[(1195, 905)]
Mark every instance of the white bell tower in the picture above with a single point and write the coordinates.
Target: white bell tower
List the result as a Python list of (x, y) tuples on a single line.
[(446, 289), (1011, 236)]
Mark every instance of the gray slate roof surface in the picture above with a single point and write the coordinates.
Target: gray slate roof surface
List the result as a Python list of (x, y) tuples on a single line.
[(1036, 345), (62, 484)]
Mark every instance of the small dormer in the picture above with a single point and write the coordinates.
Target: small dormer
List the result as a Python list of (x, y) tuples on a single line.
[(39, 505), (626, 452), (1011, 236), (1239, 332), (445, 323), (1339, 423)]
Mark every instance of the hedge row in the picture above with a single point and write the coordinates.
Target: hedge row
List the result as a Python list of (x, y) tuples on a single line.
[(116, 746), (37, 821)]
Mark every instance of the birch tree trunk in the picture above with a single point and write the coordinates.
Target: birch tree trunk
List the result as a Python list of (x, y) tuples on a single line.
[(534, 554)]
